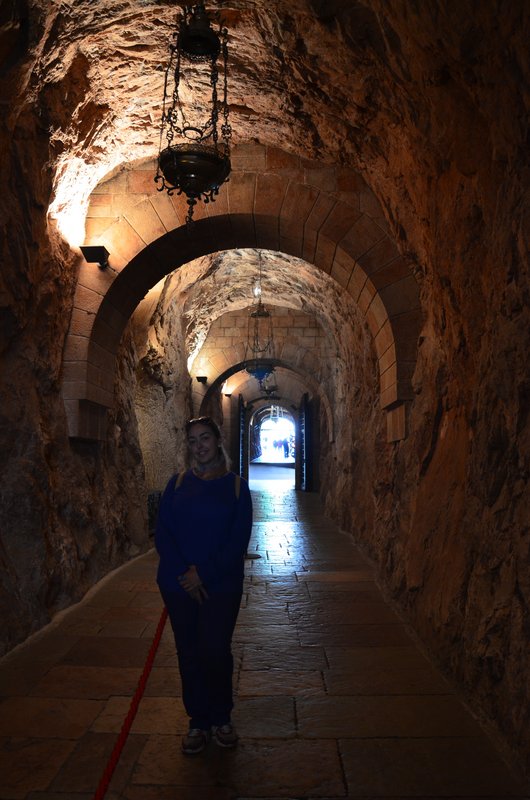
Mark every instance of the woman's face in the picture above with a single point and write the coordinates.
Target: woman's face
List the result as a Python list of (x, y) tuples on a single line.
[(203, 444)]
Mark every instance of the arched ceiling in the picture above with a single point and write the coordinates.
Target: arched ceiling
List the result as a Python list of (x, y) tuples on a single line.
[(228, 279), (364, 85), (324, 217), (398, 91), (286, 66), (208, 288)]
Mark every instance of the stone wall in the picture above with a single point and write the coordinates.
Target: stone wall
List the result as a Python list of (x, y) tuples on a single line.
[(298, 340), (162, 397), (69, 512), (448, 516)]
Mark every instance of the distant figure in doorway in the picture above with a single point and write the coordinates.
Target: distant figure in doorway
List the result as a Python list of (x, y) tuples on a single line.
[(285, 448), (202, 533)]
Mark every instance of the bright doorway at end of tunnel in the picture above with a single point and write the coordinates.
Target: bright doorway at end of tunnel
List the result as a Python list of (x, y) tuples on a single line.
[(272, 457)]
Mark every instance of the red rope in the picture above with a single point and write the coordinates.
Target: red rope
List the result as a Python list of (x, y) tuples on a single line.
[(129, 719)]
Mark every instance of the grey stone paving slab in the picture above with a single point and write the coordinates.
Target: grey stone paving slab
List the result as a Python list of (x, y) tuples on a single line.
[(318, 614), (372, 635), (170, 793), (133, 628), (47, 717), (360, 591), (110, 597), (20, 679), (163, 682), (87, 682), (28, 764), (296, 658), (277, 768), (336, 577), (99, 652), (70, 796), (425, 768), (389, 716), (82, 627), (84, 767), (415, 681), (47, 648), (125, 613), (261, 610), (166, 657), (148, 600), (282, 635), (160, 715), (272, 682), (150, 629), (281, 590), (80, 611), (265, 717), (363, 658)]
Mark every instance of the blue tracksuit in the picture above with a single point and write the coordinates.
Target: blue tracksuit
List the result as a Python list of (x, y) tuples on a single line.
[(203, 522)]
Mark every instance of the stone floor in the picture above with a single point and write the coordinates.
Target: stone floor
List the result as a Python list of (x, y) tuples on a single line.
[(333, 698)]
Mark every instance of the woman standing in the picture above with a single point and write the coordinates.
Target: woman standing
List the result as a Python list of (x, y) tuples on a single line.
[(202, 533)]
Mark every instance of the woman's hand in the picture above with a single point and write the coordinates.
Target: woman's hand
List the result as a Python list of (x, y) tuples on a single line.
[(191, 582), (190, 579)]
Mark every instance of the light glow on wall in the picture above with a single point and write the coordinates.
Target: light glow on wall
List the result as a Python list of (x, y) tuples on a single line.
[(75, 180), (68, 209)]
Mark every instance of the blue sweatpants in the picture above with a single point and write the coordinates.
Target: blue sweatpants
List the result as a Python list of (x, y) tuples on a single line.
[(203, 637)]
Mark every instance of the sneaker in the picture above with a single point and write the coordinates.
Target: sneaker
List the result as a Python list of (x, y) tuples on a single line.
[(225, 735), (195, 741)]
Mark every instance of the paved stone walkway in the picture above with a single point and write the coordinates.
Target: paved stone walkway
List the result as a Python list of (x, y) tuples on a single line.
[(333, 698)]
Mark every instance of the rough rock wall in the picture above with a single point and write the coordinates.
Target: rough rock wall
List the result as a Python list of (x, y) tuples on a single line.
[(162, 397), (451, 515), (69, 512)]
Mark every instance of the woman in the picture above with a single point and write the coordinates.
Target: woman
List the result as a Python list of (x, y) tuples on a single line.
[(202, 533)]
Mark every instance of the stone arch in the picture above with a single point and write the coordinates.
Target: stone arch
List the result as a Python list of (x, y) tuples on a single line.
[(326, 216), (316, 389), (260, 405), (299, 341)]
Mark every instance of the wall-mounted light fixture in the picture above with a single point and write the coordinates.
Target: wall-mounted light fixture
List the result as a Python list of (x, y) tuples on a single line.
[(228, 394), (202, 378), (96, 254)]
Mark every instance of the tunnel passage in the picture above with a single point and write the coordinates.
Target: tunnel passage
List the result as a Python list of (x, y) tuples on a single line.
[(432, 107), (328, 217), (236, 398)]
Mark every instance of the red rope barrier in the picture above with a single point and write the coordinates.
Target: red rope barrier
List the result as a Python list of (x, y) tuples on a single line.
[(129, 719)]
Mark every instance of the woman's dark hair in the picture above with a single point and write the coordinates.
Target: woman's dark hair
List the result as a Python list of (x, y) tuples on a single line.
[(207, 422)]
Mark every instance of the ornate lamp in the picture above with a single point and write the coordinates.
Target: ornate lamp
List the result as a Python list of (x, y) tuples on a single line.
[(192, 158), (260, 339), (269, 387), (260, 370)]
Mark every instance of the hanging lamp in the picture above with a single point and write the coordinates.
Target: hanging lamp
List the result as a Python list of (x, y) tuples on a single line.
[(260, 338), (193, 155)]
